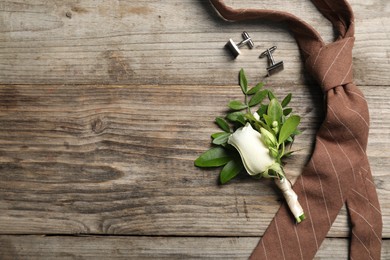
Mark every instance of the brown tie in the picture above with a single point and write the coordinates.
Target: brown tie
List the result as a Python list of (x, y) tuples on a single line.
[(338, 171)]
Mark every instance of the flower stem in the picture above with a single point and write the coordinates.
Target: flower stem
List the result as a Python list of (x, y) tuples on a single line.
[(248, 108)]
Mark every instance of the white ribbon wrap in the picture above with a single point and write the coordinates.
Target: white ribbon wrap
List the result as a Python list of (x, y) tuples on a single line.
[(291, 198)]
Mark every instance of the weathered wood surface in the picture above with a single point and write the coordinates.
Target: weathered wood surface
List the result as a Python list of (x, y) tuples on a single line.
[(80, 156), (166, 42), (92, 247), (119, 160)]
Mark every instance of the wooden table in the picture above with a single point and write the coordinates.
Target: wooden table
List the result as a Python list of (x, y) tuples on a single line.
[(104, 105)]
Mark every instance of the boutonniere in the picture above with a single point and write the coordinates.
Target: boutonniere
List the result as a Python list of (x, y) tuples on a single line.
[(256, 135)]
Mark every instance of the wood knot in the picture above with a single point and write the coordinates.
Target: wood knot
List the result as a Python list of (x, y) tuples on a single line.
[(97, 126)]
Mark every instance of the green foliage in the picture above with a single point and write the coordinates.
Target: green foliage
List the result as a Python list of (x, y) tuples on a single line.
[(222, 124), (215, 135), (275, 111), (237, 105), (257, 98), (287, 111), (230, 170), (274, 120), (243, 82), (262, 110), (271, 95), (221, 139), (255, 89), (286, 100), (288, 128), (215, 157)]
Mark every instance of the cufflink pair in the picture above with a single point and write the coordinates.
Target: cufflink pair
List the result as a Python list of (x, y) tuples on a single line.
[(273, 66)]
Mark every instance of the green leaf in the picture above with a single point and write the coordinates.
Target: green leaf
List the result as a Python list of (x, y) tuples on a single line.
[(250, 117), (236, 105), (221, 139), (297, 132), (275, 110), (268, 120), (288, 128), (288, 154), (286, 100), (237, 117), (215, 135), (222, 124), (274, 152), (230, 170), (241, 119), (287, 111), (258, 97), (261, 124), (262, 110), (243, 82), (214, 157), (255, 88), (233, 117), (271, 95)]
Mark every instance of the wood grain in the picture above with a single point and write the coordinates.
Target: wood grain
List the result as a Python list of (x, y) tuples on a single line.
[(94, 247), (119, 160), (175, 42), (104, 105)]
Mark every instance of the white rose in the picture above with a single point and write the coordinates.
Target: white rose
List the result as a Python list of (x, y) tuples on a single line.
[(254, 153), (257, 160)]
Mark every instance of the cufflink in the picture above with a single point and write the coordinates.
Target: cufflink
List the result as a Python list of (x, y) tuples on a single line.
[(272, 66), (234, 48)]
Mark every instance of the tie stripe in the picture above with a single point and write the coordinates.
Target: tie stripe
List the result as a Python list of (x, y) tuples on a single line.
[(322, 193), (265, 250), (280, 240), (334, 170), (309, 212), (299, 243), (334, 61), (348, 129), (362, 243), (343, 152), (348, 73)]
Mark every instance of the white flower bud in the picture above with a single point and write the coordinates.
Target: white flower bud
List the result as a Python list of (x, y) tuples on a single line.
[(268, 138), (256, 116), (254, 153), (275, 127)]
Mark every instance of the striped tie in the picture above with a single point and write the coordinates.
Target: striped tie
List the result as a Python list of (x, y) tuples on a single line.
[(338, 172)]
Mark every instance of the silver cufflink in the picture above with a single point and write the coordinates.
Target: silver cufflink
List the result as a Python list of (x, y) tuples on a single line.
[(273, 67), (234, 48)]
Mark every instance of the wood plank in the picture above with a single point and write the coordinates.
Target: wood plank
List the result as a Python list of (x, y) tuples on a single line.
[(167, 42), (94, 247), (119, 160)]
